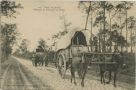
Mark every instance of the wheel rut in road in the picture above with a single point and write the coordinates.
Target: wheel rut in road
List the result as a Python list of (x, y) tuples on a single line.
[(18, 77)]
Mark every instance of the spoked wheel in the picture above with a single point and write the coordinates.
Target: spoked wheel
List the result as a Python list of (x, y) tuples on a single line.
[(106, 76), (62, 66)]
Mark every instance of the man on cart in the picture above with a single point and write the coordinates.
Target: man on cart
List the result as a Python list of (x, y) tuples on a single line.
[(39, 56)]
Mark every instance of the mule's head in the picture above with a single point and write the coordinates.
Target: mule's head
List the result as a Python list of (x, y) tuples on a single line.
[(124, 65), (119, 58)]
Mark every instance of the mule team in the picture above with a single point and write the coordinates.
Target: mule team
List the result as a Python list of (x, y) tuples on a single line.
[(79, 65)]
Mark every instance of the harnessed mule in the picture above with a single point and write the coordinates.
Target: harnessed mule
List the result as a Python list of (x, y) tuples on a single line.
[(109, 68), (80, 65)]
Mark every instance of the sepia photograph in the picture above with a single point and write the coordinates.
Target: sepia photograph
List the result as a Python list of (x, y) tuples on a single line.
[(67, 45)]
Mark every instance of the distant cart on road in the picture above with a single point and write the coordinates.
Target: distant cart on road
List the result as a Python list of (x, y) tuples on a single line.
[(38, 56)]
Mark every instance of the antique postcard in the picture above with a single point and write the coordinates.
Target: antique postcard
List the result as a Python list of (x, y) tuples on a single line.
[(67, 45)]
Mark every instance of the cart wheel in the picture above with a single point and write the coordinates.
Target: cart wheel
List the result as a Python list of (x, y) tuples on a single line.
[(61, 66), (106, 76)]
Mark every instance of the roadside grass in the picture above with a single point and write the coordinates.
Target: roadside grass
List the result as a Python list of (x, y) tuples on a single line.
[(126, 75)]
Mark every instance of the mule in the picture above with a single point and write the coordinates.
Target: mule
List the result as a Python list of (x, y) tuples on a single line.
[(79, 65), (39, 59), (45, 59), (109, 68)]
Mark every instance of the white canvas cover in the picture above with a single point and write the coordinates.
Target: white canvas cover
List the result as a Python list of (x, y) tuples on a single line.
[(65, 41)]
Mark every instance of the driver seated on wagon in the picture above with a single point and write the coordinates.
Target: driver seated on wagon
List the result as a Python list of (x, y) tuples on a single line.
[(40, 55), (39, 49)]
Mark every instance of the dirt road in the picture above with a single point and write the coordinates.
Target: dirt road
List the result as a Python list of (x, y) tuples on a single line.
[(19, 74), (17, 77)]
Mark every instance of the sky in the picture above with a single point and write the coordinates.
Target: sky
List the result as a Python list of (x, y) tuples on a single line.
[(41, 18)]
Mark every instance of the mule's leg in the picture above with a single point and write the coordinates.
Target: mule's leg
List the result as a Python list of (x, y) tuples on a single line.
[(73, 75), (39, 62), (101, 74), (109, 77), (102, 77), (115, 73), (35, 63), (83, 77), (82, 82), (42, 62), (84, 71), (71, 78), (46, 63)]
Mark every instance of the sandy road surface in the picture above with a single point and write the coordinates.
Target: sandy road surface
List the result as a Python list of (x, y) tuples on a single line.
[(17, 77), (51, 77)]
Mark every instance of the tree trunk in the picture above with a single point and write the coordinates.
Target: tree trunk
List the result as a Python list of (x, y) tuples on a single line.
[(99, 44), (121, 31), (91, 32), (126, 27), (0, 46), (104, 27), (87, 16), (110, 31), (131, 41), (100, 37), (86, 21)]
